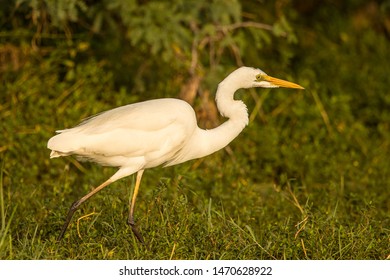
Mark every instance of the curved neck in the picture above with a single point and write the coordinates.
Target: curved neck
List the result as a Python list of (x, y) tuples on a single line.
[(212, 140), (236, 112), (205, 142)]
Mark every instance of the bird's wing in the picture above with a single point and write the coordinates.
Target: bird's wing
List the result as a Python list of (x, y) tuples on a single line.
[(154, 130)]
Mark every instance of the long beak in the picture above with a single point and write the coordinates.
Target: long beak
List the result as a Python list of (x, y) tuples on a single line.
[(282, 83)]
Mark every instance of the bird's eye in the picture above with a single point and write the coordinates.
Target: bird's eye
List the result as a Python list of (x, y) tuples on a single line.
[(260, 77)]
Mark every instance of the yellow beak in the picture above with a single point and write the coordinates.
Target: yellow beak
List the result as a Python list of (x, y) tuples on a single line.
[(281, 83)]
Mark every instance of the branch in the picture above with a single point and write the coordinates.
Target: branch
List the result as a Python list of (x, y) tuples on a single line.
[(247, 24)]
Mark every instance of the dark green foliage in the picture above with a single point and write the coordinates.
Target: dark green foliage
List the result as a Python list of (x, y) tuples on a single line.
[(307, 179)]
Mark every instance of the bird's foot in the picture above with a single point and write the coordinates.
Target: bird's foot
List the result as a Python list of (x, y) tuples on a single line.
[(137, 234)]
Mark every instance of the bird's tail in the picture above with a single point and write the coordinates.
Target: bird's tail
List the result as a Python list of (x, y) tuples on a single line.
[(61, 144), (55, 154)]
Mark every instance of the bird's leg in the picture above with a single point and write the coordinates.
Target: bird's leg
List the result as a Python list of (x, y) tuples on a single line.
[(130, 220), (77, 204)]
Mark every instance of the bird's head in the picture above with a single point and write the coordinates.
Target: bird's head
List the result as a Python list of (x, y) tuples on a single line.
[(248, 77)]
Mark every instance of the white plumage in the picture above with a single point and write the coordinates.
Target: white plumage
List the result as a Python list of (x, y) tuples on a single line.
[(156, 132), (145, 134)]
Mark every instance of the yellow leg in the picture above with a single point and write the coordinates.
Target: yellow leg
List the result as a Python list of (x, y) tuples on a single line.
[(130, 220)]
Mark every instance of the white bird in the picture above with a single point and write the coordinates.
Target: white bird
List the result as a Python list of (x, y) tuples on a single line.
[(156, 132)]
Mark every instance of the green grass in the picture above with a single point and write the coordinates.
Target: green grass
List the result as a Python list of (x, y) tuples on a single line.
[(307, 179), (290, 190), (194, 217)]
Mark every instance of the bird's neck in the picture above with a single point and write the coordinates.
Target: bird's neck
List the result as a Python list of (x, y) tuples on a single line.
[(237, 114), (205, 142), (235, 110)]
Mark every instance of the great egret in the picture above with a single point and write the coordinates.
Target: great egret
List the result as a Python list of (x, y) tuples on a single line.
[(156, 132)]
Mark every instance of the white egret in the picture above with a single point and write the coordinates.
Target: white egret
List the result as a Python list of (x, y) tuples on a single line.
[(163, 131)]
